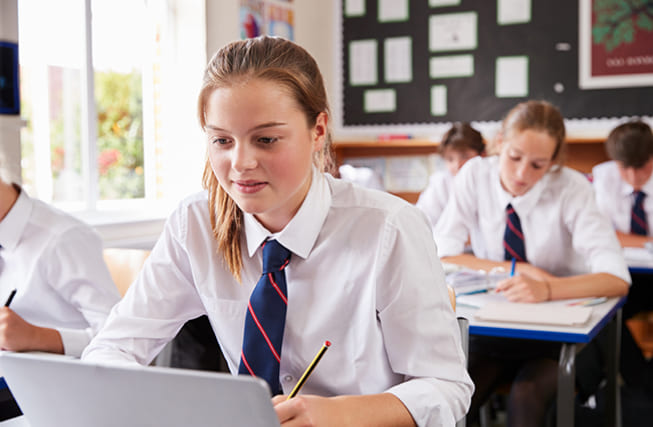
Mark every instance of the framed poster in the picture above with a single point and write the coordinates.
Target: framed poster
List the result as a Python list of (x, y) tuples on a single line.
[(9, 89), (615, 45)]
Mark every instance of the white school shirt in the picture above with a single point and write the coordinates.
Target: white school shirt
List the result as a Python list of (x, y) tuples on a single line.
[(564, 232), (436, 194), (364, 274), (55, 263), (615, 198)]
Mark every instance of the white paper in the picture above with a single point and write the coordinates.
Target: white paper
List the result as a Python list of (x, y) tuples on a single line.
[(439, 3), (354, 8), (451, 66), (398, 60), (362, 63), (393, 10), (438, 100), (453, 31), (512, 76), (513, 11), (543, 313), (380, 100)]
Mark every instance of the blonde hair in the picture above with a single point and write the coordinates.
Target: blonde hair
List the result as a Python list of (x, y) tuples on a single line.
[(279, 61), (539, 116)]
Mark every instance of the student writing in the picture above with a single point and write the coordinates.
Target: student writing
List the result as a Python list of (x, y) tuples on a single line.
[(526, 206), (459, 144), (347, 264)]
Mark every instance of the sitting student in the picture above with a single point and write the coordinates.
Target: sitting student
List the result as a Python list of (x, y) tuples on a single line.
[(459, 144), (624, 186), (64, 291), (355, 266), (528, 207)]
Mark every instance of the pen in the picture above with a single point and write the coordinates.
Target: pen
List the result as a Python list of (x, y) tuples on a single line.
[(308, 371), (11, 297), (477, 291), (590, 302), (512, 267)]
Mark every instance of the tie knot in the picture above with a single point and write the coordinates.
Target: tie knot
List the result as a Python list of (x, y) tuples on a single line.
[(275, 256), (509, 209), (639, 196)]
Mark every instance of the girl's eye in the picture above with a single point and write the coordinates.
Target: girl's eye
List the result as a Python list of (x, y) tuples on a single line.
[(267, 140), (515, 158), (218, 140)]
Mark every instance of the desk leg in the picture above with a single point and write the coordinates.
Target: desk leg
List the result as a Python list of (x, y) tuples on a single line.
[(566, 385), (612, 355)]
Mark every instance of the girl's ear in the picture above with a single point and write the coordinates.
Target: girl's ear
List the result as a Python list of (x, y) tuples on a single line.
[(319, 131)]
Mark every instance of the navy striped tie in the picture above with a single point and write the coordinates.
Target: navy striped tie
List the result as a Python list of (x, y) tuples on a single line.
[(513, 238), (266, 318), (638, 221)]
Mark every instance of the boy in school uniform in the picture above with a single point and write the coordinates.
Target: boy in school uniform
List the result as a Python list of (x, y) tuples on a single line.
[(624, 193)]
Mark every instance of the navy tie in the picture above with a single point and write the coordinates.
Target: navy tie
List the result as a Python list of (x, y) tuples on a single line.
[(638, 221), (266, 318), (513, 238)]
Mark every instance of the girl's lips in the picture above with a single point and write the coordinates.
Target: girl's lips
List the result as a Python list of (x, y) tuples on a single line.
[(249, 187)]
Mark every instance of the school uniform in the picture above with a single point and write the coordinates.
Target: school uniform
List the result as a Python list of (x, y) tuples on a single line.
[(363, 274), (436, 194), (55, 262), (615, 198), (564, 232)]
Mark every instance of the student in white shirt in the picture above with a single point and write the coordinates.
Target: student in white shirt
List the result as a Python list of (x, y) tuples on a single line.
[(617, 184), (64, 291), (570, 248), (459, 144), (363, 272)]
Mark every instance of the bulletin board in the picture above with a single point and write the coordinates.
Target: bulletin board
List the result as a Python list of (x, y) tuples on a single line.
[(433, 61)]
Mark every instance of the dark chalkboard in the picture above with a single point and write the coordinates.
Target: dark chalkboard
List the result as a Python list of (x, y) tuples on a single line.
[(553, 23)]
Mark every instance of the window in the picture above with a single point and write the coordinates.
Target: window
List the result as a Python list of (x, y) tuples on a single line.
[(108, 95)]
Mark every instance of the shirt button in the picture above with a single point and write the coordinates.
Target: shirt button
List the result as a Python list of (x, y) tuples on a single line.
[(288, 378)]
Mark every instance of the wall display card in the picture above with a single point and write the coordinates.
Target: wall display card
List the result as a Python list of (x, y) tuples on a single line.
[(453, 31), (438, 100), (511, 76), (398, 59), (440, 3), (362, 63), (354, 8), (513, 11), (441, 67), (406, 173), (393, 10), (380, 100)]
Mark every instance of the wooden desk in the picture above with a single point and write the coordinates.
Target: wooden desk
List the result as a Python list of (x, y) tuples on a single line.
[(607, 315), (581, 154)]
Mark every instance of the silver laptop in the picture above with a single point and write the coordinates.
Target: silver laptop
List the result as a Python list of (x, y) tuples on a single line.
[(54, 390)]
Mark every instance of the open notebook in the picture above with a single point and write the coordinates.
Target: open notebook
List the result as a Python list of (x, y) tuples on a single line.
[(55, 390)]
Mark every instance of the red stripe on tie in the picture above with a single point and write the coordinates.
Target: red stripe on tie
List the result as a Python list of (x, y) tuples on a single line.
[(514, 230), (260, 328), (276, 288), (512, 252), (284, 264), (639, 221), (242, 357)]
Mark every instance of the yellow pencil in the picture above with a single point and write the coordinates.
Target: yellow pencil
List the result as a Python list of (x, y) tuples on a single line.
[(308, 371)]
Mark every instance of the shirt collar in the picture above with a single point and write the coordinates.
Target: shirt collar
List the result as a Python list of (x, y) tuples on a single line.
[(627, 189), (13, 224), (300, 234)]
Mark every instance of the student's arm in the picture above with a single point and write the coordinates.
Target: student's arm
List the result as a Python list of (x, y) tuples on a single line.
[(525, 288), (18, 335), (632, 240), (376, 410)]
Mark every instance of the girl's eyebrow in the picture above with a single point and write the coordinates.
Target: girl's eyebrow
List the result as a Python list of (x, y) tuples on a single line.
[(255, 128)]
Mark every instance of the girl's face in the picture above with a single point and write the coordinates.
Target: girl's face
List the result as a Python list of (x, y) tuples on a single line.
[(524, 159), (636, 177), (261, 149), (455, 158)]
